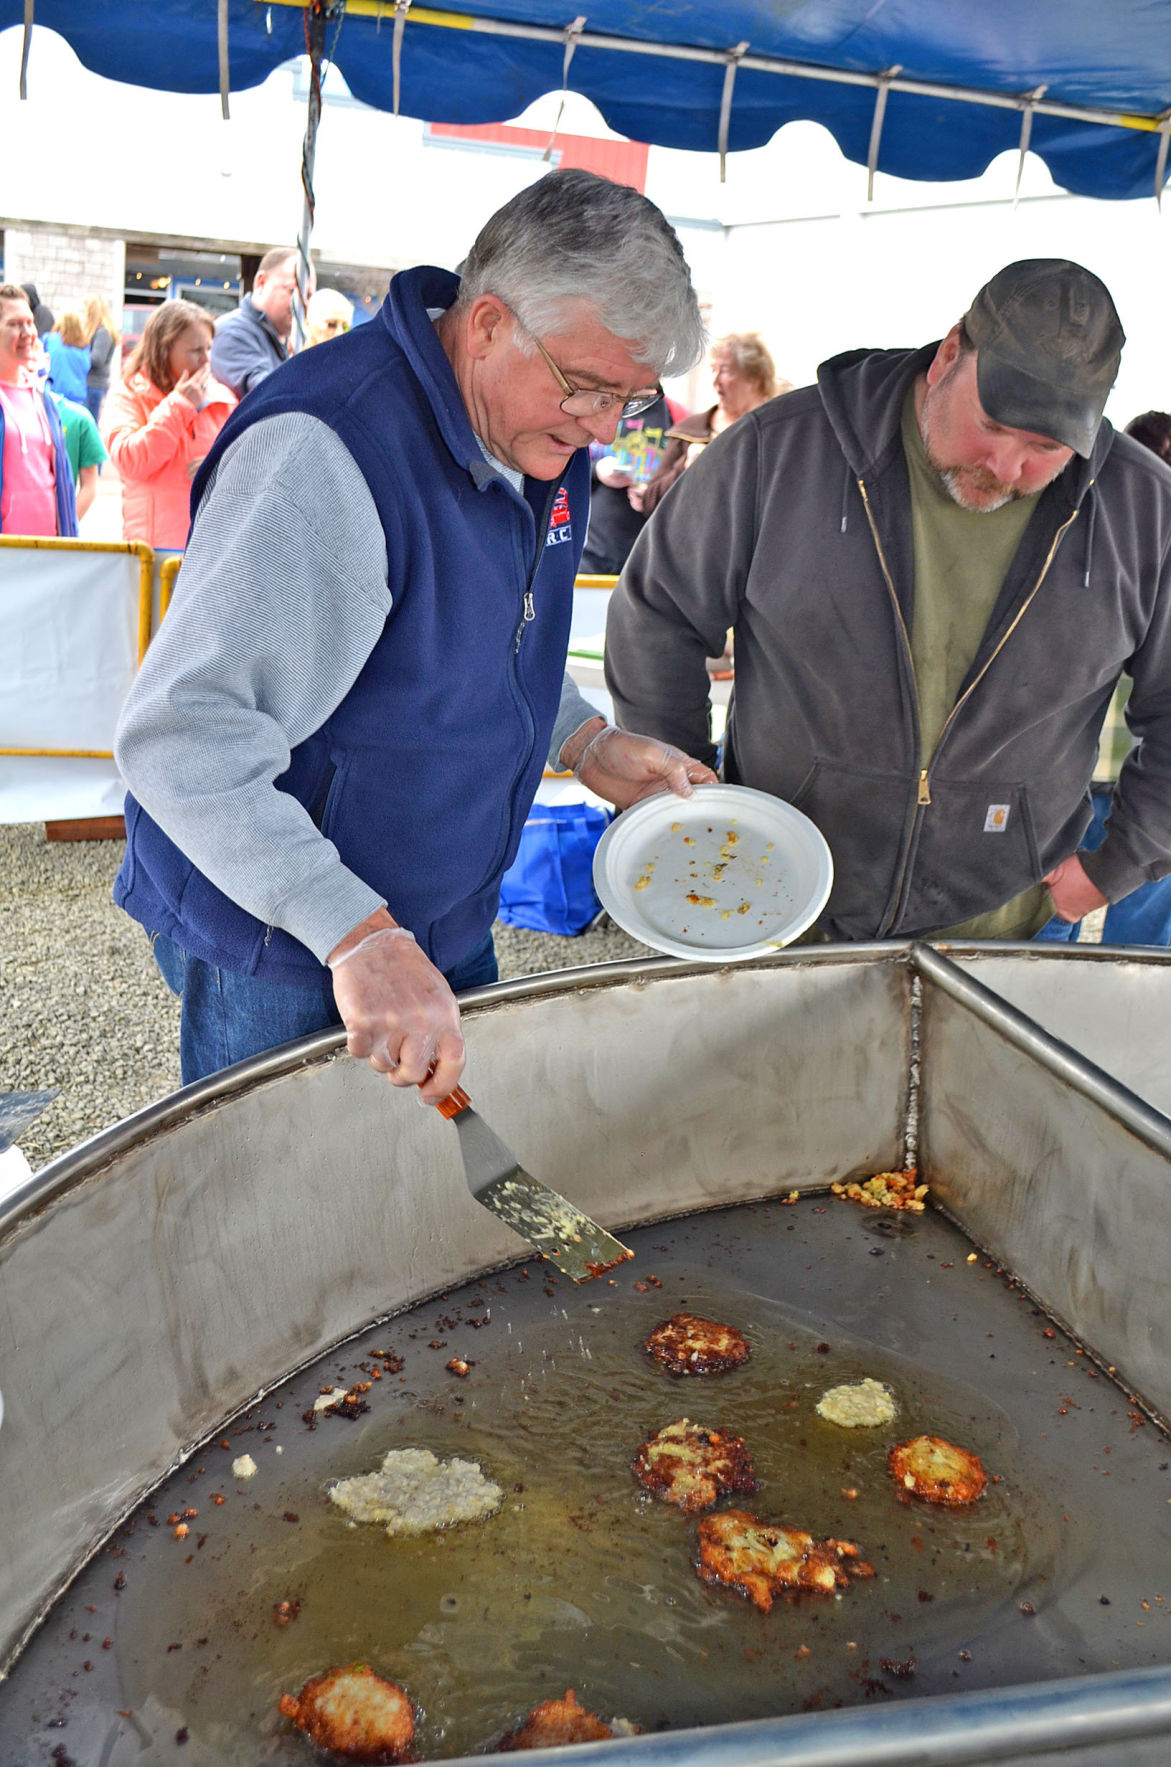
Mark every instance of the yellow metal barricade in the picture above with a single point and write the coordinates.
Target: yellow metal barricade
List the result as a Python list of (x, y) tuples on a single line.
[(168, 571)]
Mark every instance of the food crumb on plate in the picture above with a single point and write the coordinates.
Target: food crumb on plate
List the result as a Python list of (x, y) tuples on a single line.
[(245, 1467)]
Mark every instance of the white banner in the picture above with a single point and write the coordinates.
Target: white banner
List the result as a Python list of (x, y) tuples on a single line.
[(70, 624)]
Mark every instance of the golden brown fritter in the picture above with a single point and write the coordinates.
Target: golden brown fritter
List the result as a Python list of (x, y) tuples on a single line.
[(760, 1559), (685, 1344), (937, 1471), (555, 1722), (355, 1713), (692, 1467)]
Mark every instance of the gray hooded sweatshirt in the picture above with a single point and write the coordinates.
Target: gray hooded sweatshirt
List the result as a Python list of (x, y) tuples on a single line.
[(794, 528)]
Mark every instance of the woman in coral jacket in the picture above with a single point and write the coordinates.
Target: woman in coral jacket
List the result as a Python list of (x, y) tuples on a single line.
[(162, 420)]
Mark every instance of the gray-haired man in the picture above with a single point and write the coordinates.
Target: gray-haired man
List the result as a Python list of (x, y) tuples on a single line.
[(937, 564), (336, 738)]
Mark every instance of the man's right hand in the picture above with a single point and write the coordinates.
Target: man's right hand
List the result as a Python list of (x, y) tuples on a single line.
[(399, 1012)]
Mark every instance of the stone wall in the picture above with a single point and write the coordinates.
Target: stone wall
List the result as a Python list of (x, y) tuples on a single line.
[(67, 264)]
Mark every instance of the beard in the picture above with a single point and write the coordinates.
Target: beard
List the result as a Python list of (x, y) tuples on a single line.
[(972, 487)]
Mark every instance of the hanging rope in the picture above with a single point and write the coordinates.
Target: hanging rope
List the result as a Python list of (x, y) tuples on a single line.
[(880, 98), (572, 34), (1028, 108), (735, 57), (318, 16), (401, 8)]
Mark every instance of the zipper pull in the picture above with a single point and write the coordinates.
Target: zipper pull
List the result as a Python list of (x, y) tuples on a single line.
[(530, 610), (924, 789)]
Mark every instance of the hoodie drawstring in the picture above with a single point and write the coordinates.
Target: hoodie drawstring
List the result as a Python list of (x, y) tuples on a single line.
[(1092, 515)]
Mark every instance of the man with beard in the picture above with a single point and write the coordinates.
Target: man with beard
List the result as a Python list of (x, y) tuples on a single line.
[(937, 563)]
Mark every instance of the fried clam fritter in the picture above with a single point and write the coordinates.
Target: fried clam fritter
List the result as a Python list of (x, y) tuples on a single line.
[(937, 1471), (692, 1466), (555, 1722), (685, 1344), (760, 1559), (355, 1713), (862, 1404)]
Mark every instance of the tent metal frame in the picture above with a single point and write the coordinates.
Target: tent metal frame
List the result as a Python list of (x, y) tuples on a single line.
[(884, 81)]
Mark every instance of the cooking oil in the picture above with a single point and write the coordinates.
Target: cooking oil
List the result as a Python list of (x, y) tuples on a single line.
[(236, 1591)]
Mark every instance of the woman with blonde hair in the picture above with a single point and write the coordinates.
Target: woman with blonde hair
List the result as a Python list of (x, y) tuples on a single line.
[(162, 420), (328, 315), (68, 350), (744, 375), (103, 338)]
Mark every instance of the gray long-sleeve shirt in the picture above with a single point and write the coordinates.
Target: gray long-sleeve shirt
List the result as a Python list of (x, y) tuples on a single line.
[(282, 596)]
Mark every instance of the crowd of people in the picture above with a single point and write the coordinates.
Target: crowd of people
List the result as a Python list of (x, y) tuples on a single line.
[(937, 569), (60, 422)]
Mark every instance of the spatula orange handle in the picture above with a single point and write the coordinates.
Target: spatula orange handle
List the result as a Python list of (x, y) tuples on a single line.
[(456, 1102)]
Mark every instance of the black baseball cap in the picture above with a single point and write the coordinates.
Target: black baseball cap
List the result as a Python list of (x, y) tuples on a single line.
[(1048, 343)]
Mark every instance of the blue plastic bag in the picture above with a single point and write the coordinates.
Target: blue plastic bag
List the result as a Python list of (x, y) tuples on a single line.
[(549, 886)]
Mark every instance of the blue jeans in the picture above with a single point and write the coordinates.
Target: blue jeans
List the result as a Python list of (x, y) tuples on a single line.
[(1142, 918), (228, 1016)]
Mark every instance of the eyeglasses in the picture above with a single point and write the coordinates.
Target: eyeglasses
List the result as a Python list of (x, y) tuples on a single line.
[(580, 401)]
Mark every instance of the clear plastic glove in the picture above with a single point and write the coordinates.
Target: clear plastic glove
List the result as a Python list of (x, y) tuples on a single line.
[(625, 768), (399, 1013)]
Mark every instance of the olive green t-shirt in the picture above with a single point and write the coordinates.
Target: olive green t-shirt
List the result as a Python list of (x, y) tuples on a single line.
[(961, 558)]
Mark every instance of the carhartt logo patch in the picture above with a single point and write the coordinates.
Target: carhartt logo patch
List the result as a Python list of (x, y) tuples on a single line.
[(996, 819)]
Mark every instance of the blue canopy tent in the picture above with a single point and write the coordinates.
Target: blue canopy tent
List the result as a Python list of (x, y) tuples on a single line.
[(930, 89), (920, 88)]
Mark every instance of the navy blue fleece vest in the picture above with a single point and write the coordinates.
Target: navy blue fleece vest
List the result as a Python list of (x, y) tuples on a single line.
[(423, 776)]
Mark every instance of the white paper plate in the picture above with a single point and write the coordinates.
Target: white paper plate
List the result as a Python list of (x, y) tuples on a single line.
[(726, 874)]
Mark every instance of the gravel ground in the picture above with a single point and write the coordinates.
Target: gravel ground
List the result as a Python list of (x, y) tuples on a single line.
[(84, 1008)]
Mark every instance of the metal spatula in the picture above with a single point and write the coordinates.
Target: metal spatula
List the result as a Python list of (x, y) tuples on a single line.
[(550, 1223)]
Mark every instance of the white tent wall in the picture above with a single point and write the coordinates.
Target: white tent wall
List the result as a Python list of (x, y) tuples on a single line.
[(889, 275)]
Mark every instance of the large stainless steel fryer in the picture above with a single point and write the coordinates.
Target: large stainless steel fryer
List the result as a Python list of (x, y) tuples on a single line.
[(155, 1280)]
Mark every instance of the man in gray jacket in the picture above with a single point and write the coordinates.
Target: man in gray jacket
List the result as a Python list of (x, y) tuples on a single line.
[(254, 340), (937, 563)]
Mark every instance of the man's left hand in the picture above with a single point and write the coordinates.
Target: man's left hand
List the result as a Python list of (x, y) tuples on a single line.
[(624, 768), (1074, 896)]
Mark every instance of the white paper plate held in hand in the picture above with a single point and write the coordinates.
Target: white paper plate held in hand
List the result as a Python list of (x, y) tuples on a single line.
[(725, 875)]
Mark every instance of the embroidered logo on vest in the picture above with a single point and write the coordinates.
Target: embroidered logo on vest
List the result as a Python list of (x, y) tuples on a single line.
[(560, 526)]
